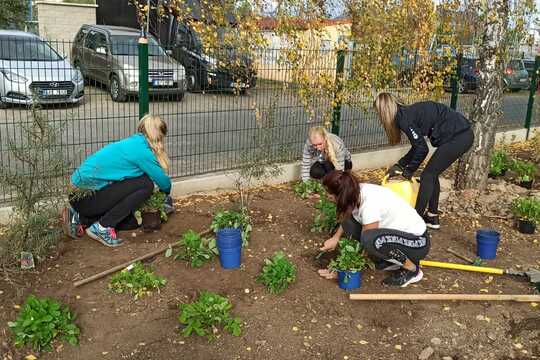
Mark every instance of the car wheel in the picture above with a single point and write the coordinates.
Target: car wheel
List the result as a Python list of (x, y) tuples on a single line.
[(116, 91), (193, 83)]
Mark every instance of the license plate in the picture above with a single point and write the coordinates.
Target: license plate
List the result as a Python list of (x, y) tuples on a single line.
[(239, 85), (53, 92), (162, 83), (523, 80)]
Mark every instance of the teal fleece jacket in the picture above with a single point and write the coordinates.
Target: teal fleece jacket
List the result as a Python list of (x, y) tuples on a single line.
[(125, 159)]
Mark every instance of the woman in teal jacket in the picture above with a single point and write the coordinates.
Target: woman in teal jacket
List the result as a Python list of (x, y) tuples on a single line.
[(112, 183)]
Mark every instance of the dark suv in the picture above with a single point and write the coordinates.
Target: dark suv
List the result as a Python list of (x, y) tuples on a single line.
[(109, 55)]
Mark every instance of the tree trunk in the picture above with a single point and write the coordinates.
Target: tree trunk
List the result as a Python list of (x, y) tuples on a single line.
[(473, 167)]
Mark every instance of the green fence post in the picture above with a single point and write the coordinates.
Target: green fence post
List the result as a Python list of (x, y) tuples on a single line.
[(336, 110), (455, 79), (532, 92), (143, 76)]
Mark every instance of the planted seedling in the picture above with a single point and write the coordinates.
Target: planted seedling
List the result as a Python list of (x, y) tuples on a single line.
[(526, 170), (136, 280), (203, 316), (277, 273), (351, 258), (305, 188), (527, 211), (499, 163), (233, 219), (195, 249), (325, 218), (153, 211), (41, 321)]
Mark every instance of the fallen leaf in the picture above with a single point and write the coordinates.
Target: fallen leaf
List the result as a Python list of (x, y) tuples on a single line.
[(484, 290), (398, 347), (30, 357), (294, 328), (489, 280), (363, 342)]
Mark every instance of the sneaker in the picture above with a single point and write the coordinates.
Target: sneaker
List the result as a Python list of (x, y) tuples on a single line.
[(432, 221), (386, 265), (71, 223), (105, 235), (403, 277)]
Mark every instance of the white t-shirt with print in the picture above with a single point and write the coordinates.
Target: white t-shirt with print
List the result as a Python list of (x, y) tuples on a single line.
[(380, 204)]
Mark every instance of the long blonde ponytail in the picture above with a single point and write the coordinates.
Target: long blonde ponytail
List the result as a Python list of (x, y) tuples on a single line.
[(329, 146), (386, 106), (154, 130)]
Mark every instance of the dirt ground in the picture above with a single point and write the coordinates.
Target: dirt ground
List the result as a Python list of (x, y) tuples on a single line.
[(313, 319)]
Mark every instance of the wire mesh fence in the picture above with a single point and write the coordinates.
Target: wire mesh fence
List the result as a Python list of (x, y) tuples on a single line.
[(210, 102)]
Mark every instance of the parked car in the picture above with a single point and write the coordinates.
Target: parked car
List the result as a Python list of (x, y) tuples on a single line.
[(31, 70), (516, 76), (529, 66), (469, 76), (109, 55)]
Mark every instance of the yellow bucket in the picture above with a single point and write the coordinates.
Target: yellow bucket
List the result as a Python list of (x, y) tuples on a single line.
[(408, 190)]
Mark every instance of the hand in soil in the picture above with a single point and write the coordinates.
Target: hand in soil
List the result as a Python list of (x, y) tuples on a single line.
[(330, 244), (327, 274)]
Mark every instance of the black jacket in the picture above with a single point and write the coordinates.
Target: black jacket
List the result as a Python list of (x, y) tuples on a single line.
[(438, 122)]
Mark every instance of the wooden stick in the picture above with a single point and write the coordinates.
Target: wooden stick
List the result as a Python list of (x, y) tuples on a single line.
[(462, 257), (446, 297), (126, 264)]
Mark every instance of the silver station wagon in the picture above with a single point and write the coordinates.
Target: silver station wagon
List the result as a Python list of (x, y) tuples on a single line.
[(31, 70), (109, 55)]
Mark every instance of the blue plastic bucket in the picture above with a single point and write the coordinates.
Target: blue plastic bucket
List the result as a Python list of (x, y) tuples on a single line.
[(230, 258), (349, 280), (229, 238), (487, 241)]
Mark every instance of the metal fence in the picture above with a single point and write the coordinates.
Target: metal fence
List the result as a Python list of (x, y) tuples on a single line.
[(210, 110)]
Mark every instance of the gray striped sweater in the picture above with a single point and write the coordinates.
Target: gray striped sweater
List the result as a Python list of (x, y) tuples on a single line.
[(311, 155)]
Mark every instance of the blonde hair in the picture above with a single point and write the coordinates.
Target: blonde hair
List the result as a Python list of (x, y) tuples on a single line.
[(386, 106), (154, 130), (328, 145)]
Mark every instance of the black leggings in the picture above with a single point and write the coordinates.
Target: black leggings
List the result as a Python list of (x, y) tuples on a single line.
[(388, 244), (320, 169), (443, 157), (113, 206)]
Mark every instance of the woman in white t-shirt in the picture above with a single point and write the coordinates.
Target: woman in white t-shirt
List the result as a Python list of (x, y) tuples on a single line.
[(390, 230)]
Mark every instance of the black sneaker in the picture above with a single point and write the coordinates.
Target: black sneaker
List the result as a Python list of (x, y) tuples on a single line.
[(432, 221), (403, 277), (386, 265)]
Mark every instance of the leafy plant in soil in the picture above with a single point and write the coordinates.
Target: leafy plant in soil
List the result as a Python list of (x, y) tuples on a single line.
[(526, 170), (195, 249), (499, 162), (233, 219), (326, 216), (277, 273), (209, 311), (527, 208), (305, 188), (41, 321), (155, 203), (136, 280), (351, 257)]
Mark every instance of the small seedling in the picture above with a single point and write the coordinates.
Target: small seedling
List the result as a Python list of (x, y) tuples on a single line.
[(277, 273), (352, 257), (526, 170), (499, 162), (233, 219), (204, 315), (41, 321), (136, 280), (155, 203), (527, 208), (195, 249), (305, 188), (326, 218)]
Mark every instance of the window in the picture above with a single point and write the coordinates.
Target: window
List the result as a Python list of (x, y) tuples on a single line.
[(80, 36), (25, 49), (90, 42)]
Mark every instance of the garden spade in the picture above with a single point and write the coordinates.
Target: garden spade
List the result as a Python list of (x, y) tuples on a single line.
[(532, 274)]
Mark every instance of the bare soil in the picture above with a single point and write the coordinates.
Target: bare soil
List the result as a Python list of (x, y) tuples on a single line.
[(313, 319)]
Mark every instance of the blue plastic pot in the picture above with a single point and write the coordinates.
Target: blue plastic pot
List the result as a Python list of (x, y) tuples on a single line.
[(229, 244), (487, 241), (349, 280)]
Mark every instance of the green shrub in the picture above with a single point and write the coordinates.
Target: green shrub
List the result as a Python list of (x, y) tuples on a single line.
[(499, 163), (305, 188), (527, 208), (136, 280), (351, 257), (41, 321), (277, 273), (526, 170), (325, 218), (232, 219), (204, 315), (195, 249)]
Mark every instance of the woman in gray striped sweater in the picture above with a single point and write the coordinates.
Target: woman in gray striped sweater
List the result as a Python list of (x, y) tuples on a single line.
[(323, 152)]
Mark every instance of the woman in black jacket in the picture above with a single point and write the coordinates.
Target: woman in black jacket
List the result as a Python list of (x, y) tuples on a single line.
[(447, 130)]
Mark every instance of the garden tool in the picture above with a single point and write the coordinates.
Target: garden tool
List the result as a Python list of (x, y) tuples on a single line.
[(406, 189), (532, 274)]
